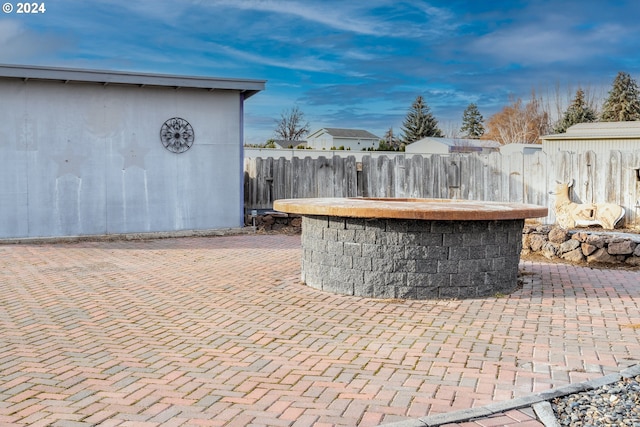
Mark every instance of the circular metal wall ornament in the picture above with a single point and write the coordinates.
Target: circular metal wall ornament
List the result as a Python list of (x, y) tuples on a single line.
[(177, 135)]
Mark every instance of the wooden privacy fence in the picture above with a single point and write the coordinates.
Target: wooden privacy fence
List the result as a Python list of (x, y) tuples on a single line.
[(608, 177)]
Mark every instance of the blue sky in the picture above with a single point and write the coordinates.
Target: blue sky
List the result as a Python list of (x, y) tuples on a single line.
[(345, 63)]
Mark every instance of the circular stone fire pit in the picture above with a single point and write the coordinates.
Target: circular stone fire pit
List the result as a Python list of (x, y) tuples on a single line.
[(410, 248)]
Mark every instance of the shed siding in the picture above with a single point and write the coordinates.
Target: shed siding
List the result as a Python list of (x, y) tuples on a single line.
[(85, 159), (598, 146)]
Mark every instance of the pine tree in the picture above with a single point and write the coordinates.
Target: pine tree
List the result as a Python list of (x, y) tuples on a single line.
[(390, 142), (578, 112), (472, 120), (419, 123), (623, 103)]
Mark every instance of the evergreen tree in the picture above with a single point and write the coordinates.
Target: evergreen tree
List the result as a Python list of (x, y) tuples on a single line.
[(578, 112), (623, 103), (419, 123), (472, 120), (390, 142)]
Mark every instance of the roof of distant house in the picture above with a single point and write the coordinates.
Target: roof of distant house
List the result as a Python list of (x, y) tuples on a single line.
[(74, 75), (347, 133), (463, 142), (287, 143)]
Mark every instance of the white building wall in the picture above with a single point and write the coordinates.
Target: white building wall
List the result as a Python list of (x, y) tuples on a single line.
[(427, 147), (599, 145), (84, 159)]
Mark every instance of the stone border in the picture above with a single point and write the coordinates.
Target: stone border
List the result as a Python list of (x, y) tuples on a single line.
[(581, 246), (518, 403)]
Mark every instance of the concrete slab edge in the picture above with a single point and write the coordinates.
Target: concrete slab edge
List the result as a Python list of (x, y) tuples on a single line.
[(130, 236), (537, 400), (545, 414)]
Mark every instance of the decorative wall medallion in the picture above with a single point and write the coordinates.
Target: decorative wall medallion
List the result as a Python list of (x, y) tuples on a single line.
[(177, 135)]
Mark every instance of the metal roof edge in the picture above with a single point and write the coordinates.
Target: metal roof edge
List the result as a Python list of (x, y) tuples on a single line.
[(247, 86), (563, 137)]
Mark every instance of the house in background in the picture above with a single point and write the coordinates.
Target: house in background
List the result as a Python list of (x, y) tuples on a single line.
[(88, 152), (434, 145), (335, 138)]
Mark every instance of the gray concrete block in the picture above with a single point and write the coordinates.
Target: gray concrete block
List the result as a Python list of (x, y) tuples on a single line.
[(373, 251), (336, 248), (352, 249), (330, 234), (363, 289), (365, 236), (432, 239), (382, 265), (415, 252), (452, 239), (405, 265), (449, 292), (446, 266), (424, 292), (457, 253), (347, 235), (397, 226), (338, 223), (441, 227), (438, 252), (406, 292), (355, 223), (362, 263)]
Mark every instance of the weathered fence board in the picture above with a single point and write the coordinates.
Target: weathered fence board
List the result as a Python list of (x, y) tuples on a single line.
[(492, 177)]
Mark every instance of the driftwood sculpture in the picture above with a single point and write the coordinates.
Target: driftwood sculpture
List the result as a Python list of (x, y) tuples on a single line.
[(570, 214)]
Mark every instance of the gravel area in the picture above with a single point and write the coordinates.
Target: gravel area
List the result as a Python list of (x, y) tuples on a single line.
[(616, 404)]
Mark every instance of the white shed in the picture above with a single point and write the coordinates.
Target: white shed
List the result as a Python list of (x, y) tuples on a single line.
[(597, 137), (525, 149), (435, 145), (87, 152)]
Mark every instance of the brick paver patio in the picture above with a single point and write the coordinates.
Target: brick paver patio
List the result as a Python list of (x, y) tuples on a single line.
[(218, 331)]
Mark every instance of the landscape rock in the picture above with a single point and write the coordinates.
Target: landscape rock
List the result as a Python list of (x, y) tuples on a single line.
[(569, 245), (573, 256), (268, 220), (550, 250), (623, 247), (580, 236), (536, 242), (596, 240), (602, 256), (634, 261), (588, 249), (558, 235), (543, 229)]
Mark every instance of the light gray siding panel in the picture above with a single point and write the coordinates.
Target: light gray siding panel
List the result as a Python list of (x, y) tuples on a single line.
[(86, 159)]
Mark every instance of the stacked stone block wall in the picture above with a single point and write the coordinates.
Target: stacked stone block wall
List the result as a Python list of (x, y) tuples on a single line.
[(394, 258)]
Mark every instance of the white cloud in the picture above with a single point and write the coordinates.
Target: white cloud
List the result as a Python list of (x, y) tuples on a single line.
[(537, 45), (18, 44)]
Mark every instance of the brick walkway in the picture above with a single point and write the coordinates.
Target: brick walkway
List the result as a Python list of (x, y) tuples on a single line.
[(219, 332)]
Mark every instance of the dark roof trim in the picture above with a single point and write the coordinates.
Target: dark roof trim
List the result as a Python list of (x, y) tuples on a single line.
[(67, 75)]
